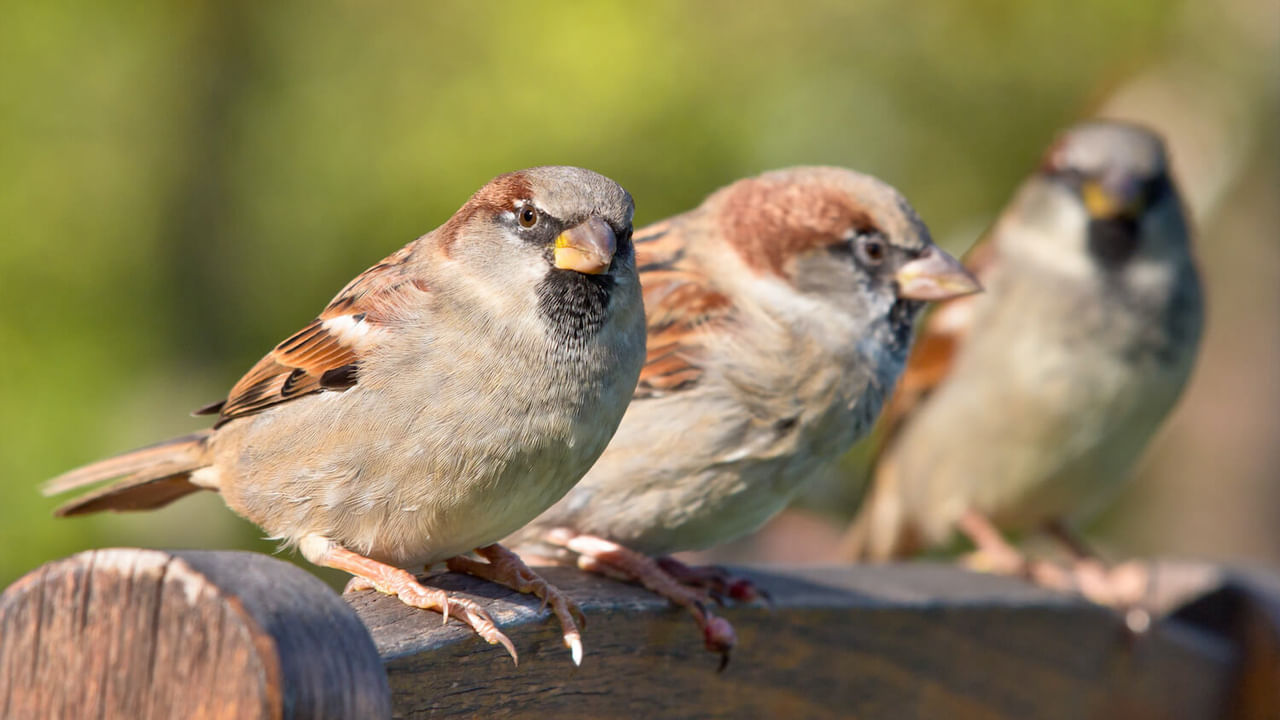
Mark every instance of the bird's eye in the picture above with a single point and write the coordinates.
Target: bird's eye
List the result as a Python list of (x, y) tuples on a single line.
[(527, 216), (871, 249)]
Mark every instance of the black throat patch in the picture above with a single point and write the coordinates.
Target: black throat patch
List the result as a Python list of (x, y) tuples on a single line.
[(902, 323), (575, 304), (1113, 241)]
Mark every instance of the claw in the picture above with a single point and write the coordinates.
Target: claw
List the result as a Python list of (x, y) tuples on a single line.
[(506, 568), (499, 638), (400, 583), (573, 641), (718, 635), (665, 576)]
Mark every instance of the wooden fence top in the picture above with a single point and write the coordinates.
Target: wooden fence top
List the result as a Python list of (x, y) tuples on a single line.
[(133, 633)]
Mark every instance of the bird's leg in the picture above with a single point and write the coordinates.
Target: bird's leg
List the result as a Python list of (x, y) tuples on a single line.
[(506, 568), (1075, 545), (994, 554), (608, 558), (371, 574), (715, 580)]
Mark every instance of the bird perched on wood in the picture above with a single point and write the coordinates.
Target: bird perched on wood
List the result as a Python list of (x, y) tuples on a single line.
[(779, 315), (1028, 405), (443, 399)]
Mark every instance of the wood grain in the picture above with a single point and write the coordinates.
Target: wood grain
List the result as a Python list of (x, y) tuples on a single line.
[(129, 633), (149, 634), (914, 641)]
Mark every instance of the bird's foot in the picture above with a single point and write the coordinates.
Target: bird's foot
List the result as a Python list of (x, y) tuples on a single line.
[(373, 575), (608, 558), (718, 582), (994, 554), (506, 568), (1124, 587)]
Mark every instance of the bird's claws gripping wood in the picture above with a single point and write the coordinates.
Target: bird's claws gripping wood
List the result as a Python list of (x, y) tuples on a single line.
[(506, 568), (719, 637), (373, 575), (715, 580), (1122, 587), (608, 558)]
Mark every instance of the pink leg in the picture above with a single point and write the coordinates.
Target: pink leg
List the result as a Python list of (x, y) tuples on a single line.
[(394, 581)]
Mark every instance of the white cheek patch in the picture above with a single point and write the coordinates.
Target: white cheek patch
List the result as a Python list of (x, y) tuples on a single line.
[(351, 330)]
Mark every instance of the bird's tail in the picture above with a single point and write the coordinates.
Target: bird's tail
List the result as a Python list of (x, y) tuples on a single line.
[(151, 477)]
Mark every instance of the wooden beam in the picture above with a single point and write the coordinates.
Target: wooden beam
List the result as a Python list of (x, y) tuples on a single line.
[(141, 633), (867, 642), (129, 633)]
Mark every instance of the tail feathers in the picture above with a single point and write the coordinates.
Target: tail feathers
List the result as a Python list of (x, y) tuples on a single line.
[(155, 476), (132, 494)]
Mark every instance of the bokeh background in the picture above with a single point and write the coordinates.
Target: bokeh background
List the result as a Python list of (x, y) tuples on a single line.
[(183, 184)]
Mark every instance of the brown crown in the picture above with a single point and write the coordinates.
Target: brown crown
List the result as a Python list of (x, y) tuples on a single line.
[(771, 222)]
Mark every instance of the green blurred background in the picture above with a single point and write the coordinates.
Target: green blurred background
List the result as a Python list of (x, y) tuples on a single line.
[(182, 184)]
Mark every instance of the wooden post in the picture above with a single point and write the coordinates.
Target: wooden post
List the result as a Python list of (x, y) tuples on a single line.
[(128, 633)]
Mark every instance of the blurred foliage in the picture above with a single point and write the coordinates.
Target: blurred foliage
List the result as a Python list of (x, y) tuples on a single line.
[(183, 184)]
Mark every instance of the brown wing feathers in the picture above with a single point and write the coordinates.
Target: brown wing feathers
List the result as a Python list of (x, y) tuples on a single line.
[(678, 300), (324, 355)]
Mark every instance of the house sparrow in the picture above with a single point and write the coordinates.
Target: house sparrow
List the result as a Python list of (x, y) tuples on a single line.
[(779, 315), (442, 400), (1027, 405)]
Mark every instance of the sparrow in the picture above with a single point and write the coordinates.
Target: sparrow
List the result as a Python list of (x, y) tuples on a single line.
[(779, 313), (1025, 407), (443, 399)]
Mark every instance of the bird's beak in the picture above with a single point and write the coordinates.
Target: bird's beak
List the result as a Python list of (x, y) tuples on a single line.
[(1108, 199), (586, 248), (935, 275)]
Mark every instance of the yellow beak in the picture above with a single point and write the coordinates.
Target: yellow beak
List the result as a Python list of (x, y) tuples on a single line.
[(586, 248), (1103, 203)]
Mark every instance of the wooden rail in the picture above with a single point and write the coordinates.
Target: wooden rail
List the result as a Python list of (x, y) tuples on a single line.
[(139, 633)]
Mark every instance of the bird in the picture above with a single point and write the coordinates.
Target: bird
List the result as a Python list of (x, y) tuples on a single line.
[(779, 314), (1024, 408), (440, 401)]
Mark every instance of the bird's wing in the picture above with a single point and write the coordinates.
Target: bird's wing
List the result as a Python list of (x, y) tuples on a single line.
[(325, 355)]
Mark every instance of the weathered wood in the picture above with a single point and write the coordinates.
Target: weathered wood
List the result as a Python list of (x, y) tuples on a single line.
[(128, 633), (1245, 607), (137, 634), (865, 642)]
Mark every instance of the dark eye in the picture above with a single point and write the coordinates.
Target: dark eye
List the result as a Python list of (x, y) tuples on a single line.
[(1071, 177), (871, 249), (527, 216)]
